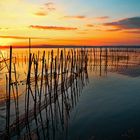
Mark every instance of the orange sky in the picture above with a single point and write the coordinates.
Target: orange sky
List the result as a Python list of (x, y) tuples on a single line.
[(60, 23)]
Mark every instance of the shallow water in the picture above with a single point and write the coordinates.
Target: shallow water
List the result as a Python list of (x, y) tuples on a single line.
[(108, 107)]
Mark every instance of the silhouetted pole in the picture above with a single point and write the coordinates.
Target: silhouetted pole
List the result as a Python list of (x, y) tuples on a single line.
[(29, 46), (9, 97)]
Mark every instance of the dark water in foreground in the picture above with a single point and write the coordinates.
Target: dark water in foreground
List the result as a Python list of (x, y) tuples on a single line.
[(108, 104), (109, 108)]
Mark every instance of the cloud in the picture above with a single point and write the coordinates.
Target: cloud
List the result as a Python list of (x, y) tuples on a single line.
[(102, 18), (75, 17), (4, 28), (127, 23), (52, 27), (82, 17), (50, 6), (133, 32), (20, 37), (112, 30), (90, 25), (40, 13), (45, 9)]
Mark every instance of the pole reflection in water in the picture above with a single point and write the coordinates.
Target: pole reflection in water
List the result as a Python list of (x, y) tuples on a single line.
[(42, 87), (52, 89)]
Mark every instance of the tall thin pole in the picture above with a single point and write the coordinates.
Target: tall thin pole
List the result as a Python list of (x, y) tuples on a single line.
[(29, 46), (9, 97)]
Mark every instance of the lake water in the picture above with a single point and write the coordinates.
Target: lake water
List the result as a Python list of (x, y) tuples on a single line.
[(107, 105)]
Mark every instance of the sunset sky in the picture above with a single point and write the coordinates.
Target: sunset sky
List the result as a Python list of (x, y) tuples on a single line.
[(70, 22)]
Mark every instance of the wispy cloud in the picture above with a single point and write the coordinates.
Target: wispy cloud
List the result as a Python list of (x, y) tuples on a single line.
[(113, 30), (127, 23), (41, 13), (133, 32), (52, 27), (20, 37), (4, 28), (50, 6), (45, 9), (102, 18), (75, 17), (89, 25), (82, 17)]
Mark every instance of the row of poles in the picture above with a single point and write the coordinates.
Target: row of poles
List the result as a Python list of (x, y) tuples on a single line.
[(52, 89)]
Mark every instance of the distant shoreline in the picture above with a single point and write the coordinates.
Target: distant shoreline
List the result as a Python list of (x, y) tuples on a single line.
[(63, 46)]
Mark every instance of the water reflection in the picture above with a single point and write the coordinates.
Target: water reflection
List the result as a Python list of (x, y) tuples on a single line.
[(123, 61), (47, 84), (52, 86)]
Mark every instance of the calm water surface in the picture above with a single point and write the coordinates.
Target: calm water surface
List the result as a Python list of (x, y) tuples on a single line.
[(108, 107)]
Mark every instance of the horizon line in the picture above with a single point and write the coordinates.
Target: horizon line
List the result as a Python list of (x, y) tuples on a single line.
[(72, 46)]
